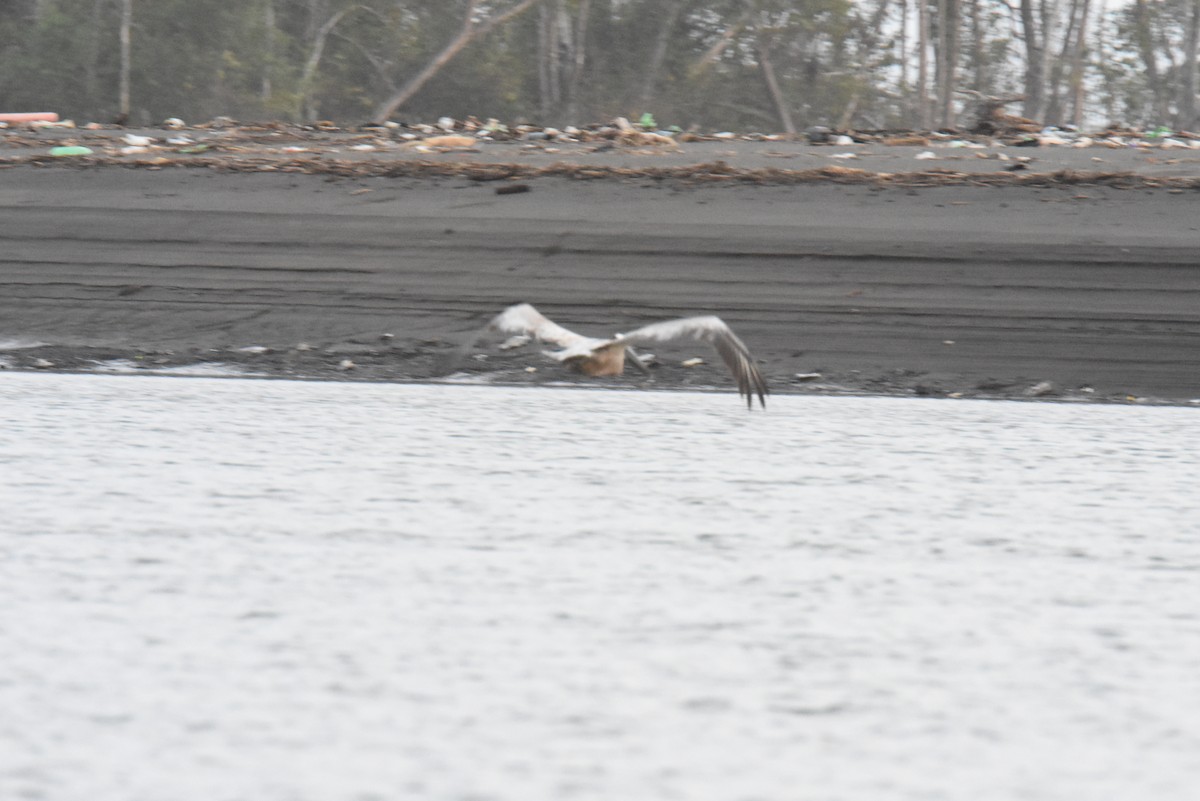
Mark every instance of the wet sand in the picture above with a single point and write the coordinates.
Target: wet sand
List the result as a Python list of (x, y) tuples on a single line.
[(1071, 291)]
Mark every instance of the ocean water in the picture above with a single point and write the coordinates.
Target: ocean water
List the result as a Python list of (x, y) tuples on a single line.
[(230, 589)]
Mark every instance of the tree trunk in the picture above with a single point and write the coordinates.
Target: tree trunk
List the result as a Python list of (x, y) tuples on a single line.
[(979, 79), (718, 47), (948, 34), (543, 64), (91, 81), (659, 54), (308, 111), (1077, 64), (579, 61), (1034, 60), (768, 70), (123, 80), (268, 48), (903, 33), (1144, 38), (924, 112), (467, 34), (1187, 103), (1055, 108)]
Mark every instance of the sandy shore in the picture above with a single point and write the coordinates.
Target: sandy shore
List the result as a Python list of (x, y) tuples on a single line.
[(1072, 291)]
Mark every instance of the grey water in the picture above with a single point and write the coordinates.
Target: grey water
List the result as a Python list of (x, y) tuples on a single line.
[(217, 590)]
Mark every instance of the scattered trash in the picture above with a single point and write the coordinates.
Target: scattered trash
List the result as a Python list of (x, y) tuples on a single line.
[(843, 156), (512, 189), (531, 369), (1040, 389), (449, 142), (817, 135), (70, 150), (806, 376), (255, 349), (696, 362), (29, 116), (133, 140), (174, 123), (925, 155), (42, 364), (346, 364), (647, 121)]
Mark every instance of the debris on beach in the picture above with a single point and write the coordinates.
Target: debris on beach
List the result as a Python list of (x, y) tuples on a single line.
[(397, 150)]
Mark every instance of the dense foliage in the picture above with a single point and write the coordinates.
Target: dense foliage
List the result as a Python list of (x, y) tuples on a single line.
[(740, 64)]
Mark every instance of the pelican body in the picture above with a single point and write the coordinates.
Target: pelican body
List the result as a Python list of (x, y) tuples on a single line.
[(607, 357)]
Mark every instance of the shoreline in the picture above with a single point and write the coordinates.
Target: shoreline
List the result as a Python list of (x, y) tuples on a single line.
[(223, 371), (1088, 293)]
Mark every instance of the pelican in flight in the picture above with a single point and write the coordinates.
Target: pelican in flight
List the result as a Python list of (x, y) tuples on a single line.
[(601, 357)]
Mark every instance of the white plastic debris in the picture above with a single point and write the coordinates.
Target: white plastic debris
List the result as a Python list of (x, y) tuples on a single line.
[(446, 123), (254, 349), (925, 155), (843, 156), (346, 364), (696, 362), (137, 141), (842, 140), (133, 150), (174, 123)]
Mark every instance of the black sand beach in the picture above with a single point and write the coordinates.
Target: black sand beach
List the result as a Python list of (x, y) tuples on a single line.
[(1072, 289)]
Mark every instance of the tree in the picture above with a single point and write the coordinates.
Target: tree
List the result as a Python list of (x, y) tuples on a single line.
[(123, 84), (475, 24)]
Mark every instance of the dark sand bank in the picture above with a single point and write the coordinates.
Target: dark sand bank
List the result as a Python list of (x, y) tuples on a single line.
[(980, 290)]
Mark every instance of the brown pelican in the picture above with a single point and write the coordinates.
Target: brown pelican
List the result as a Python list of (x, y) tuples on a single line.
[(599, 357)]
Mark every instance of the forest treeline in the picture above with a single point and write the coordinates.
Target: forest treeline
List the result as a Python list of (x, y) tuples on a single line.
[(779, 65)]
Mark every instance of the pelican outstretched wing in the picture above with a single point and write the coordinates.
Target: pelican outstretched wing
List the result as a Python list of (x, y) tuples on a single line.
[(519, 319), (714, 331), (524, 319)]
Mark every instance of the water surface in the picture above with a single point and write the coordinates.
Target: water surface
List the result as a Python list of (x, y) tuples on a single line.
[(267, 590)]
